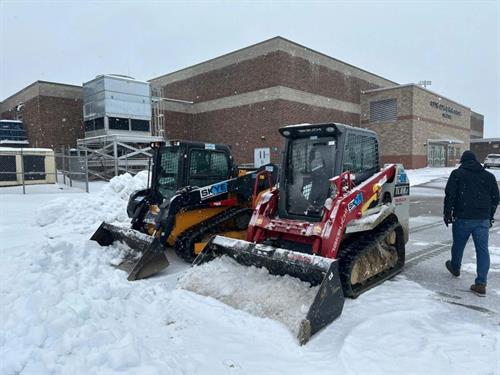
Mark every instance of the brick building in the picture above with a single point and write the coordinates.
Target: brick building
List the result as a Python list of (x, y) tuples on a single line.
[(476, 125), (243, 97), (416, 126), (485, 146), (51, 113)]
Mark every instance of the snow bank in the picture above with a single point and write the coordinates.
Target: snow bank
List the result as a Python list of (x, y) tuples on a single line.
[(424, 175), (404, 327), (66, 311), (251, 289), (109, 204)]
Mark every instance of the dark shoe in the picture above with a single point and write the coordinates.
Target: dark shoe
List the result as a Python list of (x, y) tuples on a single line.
[(479, 289), (453, 271)]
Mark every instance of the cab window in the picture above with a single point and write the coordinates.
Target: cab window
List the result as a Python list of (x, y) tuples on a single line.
[(207, 167), (360, 155)]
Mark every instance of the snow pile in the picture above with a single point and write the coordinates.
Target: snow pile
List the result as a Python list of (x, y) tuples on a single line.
[(109, 204), (66, 311), (69, 303), (252, 289), (402, 328), (424, 175)]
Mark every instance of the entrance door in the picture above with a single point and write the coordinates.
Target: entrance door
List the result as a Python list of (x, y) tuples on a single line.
[(436, 155), (442, 156)]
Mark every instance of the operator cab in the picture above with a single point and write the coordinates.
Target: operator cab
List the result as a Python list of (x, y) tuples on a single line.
[(315, 153), (195, 164)]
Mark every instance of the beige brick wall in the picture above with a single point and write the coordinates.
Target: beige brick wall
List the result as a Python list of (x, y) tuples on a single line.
[(429, 123), (423, 108), (424, 130), (395, 136), (403, 95), (417, 122)]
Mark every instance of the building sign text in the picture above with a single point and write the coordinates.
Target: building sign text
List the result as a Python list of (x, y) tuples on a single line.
[(446, 109)]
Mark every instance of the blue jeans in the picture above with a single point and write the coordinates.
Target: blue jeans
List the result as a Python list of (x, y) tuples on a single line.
[(462, 229)]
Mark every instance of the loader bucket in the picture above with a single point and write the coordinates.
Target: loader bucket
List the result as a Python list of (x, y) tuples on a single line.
[(146, 256), (321, 273)]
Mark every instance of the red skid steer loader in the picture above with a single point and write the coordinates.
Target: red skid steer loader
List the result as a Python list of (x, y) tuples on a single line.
[(337, 220)]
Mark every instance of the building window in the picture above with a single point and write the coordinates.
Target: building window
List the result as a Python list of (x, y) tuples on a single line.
[(34, 167), (95, 124), (99, 123), (140, 125), (8, 163), (89, 125), (383, 110), (118, 123)]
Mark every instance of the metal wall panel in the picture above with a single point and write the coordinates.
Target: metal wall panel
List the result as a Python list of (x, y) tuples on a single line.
[(116, 97)]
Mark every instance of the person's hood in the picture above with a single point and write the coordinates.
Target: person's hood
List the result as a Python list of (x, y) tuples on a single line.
[(472, 165)]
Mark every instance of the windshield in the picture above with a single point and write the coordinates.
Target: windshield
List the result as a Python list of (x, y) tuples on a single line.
[(311, 165), (167, 174), (493, 156)]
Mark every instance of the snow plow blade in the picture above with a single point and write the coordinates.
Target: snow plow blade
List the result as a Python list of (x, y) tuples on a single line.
[(146, 256), (328, 302)]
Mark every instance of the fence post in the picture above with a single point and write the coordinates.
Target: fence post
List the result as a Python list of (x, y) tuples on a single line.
[(63, 166), (22, 171), (86, 173), (55, 165), (149, 170), (70, 167), (115, 154)]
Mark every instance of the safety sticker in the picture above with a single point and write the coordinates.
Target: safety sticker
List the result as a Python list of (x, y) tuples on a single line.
[(358, 199)]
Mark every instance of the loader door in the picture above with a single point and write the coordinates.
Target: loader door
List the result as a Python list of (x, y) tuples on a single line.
[(309, 167), (360, 156), (168, 171), (207, 167)]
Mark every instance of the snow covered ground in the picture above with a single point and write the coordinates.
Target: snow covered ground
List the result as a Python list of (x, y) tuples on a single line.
[(424, 175), (65, 310)]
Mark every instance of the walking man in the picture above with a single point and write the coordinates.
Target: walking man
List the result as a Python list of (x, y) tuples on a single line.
[(470, 204)]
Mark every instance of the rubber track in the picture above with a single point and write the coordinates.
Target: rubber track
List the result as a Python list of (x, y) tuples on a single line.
[(348, 255), (184, 245)]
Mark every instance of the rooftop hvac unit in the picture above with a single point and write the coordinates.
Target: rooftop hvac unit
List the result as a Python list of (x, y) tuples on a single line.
[(116, 105)]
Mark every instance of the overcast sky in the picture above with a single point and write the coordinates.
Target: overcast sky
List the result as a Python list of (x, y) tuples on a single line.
[(455, 44)]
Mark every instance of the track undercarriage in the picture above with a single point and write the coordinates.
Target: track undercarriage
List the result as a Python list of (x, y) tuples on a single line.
[(371, 258), (226, 223)]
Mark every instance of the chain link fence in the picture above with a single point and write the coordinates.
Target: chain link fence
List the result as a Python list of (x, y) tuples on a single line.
[(72, 168), (41, 170)]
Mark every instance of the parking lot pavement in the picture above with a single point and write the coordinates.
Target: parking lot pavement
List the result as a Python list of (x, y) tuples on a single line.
[(429, 247)]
